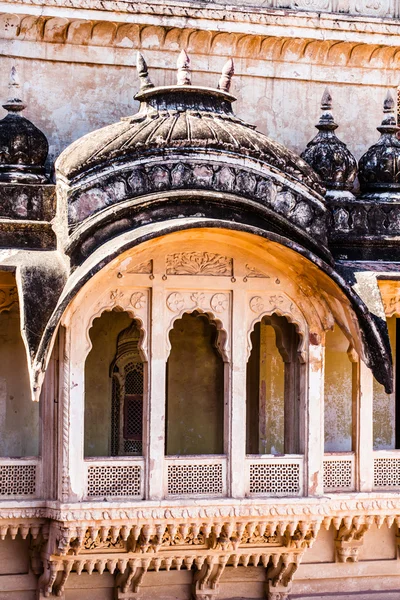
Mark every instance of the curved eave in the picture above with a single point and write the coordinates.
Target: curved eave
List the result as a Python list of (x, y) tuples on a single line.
[(377, 354)]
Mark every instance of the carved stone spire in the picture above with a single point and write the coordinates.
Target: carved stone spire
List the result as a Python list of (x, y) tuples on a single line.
[(328, 155), (226, 77), (183, 64), (379, 169), (14, 104), (141, 65)]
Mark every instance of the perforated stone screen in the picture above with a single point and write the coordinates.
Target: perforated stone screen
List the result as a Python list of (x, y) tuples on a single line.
[(282, 479), (386, 472), (17, 480), (115, 481), (338, 475), (187, 479)]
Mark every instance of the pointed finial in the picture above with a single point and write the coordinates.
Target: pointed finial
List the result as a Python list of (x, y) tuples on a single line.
[(183, 64), (326, 100), (388, 103), (227, 73), (141, 65), (389, 124), (14, 103)]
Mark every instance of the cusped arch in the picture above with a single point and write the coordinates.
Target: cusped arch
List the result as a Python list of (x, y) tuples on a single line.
[(268, 304)]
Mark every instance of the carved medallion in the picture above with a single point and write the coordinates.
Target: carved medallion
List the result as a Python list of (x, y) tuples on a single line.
[(219, 303), (199, 263), (257, 304), (138, 300), (175, 302)]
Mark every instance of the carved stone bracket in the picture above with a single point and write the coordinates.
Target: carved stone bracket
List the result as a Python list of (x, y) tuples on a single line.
[(349, 537)]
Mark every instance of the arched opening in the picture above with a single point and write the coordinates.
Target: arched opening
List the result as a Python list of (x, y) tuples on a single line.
[(19, 416), (273, 388), (338, 410), (195, 388), (115, 384)]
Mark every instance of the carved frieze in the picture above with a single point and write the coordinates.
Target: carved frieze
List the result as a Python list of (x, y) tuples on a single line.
[(198, 263), (304, 211), (144, 268)]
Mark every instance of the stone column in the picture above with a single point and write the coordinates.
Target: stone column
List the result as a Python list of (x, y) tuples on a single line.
[(157, 361), (315, 419), (365, 429), (237, 420)]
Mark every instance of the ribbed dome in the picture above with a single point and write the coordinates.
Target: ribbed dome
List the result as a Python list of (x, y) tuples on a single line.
[(186, 118), (379, 167), (23, 147), (328, 155)]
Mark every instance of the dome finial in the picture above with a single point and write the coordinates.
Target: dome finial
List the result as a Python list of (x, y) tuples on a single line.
[(141, 65), (183, 64), (389, 124), (328, 155), (226, 78), (380, 165), (326, 100), (14, 103)]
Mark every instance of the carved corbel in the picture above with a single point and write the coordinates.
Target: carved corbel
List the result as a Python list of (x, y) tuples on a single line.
[(128, 583), (350, 536), (279, 575), (207, 577)]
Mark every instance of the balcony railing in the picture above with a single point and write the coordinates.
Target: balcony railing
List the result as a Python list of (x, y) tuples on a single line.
[(195, 476), (20, 478), (275, 475), (115, 478), (339, 472)]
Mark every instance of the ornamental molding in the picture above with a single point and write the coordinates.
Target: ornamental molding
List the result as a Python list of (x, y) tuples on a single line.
[(282, 194), (325, 40), (341, 9)]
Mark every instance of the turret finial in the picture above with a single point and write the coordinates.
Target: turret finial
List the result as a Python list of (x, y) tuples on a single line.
[(183, 64), (141, 65), (389, 124), (226, 77), (326, 100), (14, 104)]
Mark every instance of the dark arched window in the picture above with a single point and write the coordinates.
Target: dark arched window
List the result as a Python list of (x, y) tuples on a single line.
[(127, 373)]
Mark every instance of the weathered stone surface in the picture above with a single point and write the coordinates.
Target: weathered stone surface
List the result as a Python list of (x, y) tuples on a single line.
[(27, 201)]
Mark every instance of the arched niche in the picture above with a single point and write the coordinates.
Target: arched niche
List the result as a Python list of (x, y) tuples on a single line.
[(113, 361), (19, 416), (274, 388), (339, 392), (195, 388)]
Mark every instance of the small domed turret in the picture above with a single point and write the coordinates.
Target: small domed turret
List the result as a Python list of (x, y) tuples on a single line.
[(379, 167), (23, 147), (328, 155)]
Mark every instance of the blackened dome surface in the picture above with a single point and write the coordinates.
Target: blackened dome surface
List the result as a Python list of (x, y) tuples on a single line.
[(181, 118), (379, 167)]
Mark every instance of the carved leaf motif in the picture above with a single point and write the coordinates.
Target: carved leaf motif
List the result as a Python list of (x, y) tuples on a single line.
[(199, 263), (116, 295), (198, 298), (219, 303), (138, 300), (144, 268), (3, 297), (8, 297), (175, 302), (253, 272)]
